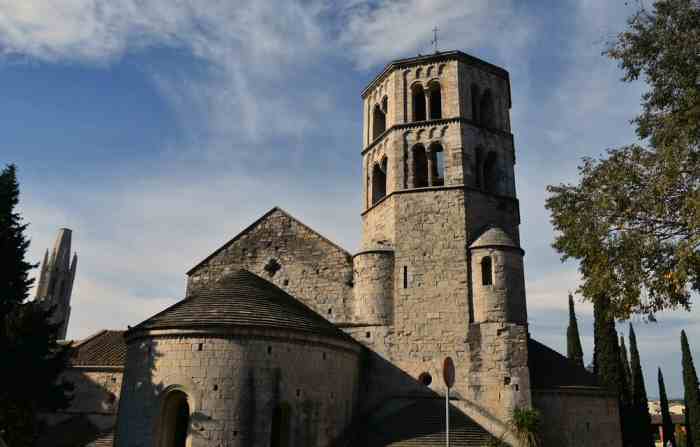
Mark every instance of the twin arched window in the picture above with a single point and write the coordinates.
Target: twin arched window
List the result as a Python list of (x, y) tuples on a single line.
[(427, 105), (379, 118), (486, 170), (379, 177), (427, 167), (483, 109)]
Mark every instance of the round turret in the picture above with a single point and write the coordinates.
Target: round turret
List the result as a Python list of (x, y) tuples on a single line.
[(498, 282), (373, 272)]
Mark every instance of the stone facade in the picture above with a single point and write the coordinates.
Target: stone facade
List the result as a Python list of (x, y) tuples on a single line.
[(290, 255), (234, 384)]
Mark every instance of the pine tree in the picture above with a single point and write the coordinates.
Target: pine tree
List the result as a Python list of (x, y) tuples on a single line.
[(639, 409), (692, 395), (667, 424), (27, 339), (573, 341)]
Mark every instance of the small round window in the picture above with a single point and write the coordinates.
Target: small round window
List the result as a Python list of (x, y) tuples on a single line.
[(425, 378)]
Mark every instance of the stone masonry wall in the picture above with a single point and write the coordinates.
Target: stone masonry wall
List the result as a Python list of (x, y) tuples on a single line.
[(583, 418), (504, 299), (374, 287), (292, 256), (234, 385)]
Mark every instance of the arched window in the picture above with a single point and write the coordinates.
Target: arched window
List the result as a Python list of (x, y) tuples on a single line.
[(175, 420), (475, 103), (420, 167), (438, 164), (490, 173), (486, 271), (486, 110), (418, 103), (435, 101), (379, 181), (279, 431), (378, 122)]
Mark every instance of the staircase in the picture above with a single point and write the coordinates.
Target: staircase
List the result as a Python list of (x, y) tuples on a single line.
[(421, 423)]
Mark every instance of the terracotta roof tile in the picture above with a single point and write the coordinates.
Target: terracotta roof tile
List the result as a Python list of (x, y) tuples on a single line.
[(106, 348)]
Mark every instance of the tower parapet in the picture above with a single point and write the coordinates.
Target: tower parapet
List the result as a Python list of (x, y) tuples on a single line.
[(56, 280)]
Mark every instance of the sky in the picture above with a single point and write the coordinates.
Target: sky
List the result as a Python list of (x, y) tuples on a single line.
[(157, 130)]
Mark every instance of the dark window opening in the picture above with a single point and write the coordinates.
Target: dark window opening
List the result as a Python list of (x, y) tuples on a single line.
[(425, 378), (490, 173), (479, 168), (200, 346), (486, 110), (475, 103), (435, 101), (272, 267), (215, 388), (418, 103), (486, 271), (405, 277), (438, 160), (269, 350), (368, 334), (379, 181), (279, 431), (378, 122), (420, 167)]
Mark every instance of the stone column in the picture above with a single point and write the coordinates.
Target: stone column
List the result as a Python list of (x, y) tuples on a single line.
[(430, 156)]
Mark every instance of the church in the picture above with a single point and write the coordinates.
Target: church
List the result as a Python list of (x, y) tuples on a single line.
[(283, 338)]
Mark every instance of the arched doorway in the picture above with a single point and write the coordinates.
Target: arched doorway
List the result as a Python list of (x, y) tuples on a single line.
[(174, 420)]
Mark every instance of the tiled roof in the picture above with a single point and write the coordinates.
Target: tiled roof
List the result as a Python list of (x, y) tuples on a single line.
[(77, 431), (549, 369), (242, 299), (493, 236), (105, 348)]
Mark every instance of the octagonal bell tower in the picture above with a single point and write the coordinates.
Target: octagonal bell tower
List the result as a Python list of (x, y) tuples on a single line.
[(438, 172)]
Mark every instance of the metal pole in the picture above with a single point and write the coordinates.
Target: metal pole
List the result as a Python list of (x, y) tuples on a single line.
[(447, 417)]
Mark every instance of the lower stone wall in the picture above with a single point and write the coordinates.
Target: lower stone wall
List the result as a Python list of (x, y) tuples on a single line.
[(578, 418), (234, 386)]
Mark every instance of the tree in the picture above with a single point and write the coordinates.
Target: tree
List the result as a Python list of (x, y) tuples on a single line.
[(692, 395), (625, 398), (639, 409), (27, 339), (666, 422), (633, 219), (573, 341)]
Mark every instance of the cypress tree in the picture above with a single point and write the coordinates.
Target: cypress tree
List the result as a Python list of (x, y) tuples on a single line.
[(692, 395), (573, 341), (666, 423), (606, 361), (639, 409), (625, 397), (27, 338)]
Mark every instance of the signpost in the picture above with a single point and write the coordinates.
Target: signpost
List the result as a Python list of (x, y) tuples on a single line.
[(448, 374)]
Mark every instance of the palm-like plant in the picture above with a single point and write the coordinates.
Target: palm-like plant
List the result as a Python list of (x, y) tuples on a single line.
[(524, 423)]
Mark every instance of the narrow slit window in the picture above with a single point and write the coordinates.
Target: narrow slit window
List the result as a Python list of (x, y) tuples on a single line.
[(486, 271), (405, 277)]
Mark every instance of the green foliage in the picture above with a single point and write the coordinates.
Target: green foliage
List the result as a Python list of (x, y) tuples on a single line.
[(667, 423), (640, 406), (606, 361), (525, 424), (692, 395), (27, 339), (633, 220), (573, 341)]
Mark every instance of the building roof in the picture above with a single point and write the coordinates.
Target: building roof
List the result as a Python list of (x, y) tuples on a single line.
[(262, 218), (105, 348), (242, 299), (494, 236), (551, 370)]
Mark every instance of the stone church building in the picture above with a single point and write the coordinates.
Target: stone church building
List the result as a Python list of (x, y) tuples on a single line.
[(284, 338)]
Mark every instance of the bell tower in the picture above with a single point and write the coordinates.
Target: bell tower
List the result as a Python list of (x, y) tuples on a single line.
[(438, 174)]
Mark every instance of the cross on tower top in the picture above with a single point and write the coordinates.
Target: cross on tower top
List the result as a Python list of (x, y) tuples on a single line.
[(435, 38)]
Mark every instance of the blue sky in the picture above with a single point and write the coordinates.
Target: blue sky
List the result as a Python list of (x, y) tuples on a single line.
[(157, 130)]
